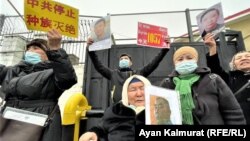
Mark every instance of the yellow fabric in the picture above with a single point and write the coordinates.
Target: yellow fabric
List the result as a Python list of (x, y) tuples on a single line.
[(77, 103)]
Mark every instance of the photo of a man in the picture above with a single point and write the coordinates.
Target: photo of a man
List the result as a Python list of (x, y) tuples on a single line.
[(211, 20), (100, 34), (101, 29), (162, 106), (162, 111)]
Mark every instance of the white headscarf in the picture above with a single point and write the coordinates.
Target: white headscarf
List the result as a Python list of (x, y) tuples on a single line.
[(125, 92)]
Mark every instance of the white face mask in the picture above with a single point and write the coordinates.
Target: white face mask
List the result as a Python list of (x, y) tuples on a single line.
[(186, 67)]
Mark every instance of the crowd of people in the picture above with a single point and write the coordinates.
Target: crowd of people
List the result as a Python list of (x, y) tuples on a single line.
[(206, 93), (206, 99)]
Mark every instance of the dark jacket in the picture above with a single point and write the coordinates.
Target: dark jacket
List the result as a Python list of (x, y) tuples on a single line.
[(235, 80), (213, 99), (118, 123), (118, 76), (37, 87)]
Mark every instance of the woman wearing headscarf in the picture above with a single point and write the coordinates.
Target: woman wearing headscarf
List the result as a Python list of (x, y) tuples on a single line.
[(119, 120), (205, 98)]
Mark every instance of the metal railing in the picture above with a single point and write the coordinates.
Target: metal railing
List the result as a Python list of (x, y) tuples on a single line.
[(15, 26)]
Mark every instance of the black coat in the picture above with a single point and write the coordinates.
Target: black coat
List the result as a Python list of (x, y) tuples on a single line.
[(235, 80), (118, 123), (119, 76), (214, 102), (37, 87)]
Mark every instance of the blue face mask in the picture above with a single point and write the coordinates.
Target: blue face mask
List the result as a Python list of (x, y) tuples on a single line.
[(124, 63), (32, 57), (186, 67)]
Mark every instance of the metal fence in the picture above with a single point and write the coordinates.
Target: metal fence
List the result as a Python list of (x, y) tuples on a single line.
[(15, 26), (122, 28)]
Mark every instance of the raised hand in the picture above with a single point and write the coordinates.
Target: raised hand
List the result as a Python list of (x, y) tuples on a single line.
[(54, 39), (210, 42)]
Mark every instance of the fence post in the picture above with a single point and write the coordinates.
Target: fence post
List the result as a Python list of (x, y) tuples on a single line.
[(189, 26)]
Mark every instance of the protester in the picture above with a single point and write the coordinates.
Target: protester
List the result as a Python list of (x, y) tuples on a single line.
[(36, 83), (237, 77), (118, 76), (120, 119), (205, 98)]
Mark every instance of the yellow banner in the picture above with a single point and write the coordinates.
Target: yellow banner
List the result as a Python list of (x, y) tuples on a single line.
[(44, 15)]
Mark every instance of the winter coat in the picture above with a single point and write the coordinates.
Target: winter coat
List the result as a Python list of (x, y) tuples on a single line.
[(37, 87), (118, 76), (118, 123), (235, 80), (214, 102), (119, 120)]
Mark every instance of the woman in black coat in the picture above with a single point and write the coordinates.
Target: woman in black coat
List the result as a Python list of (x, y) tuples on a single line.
[(205, 98), (237, 77), (36, 83), (120, 119)]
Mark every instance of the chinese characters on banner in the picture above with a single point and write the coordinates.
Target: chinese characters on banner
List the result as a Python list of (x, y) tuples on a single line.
[(44, 15), (151, 35)]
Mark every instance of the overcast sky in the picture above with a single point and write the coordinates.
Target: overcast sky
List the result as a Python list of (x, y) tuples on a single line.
[(176, 23), (102, 7)]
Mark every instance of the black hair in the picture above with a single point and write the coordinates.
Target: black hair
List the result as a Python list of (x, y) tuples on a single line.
[(125, 54), (209, 10)]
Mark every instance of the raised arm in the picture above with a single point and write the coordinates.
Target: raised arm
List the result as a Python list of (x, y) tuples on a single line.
[(149, 68), (65, 76), (212, 57), (103, 70)]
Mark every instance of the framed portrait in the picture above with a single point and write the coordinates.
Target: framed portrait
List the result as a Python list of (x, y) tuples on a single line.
[(162, 106), (211, 20), (101, 34)]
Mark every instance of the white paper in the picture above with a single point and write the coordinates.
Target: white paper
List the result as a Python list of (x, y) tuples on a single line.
[(25, 116), (172, 96)]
